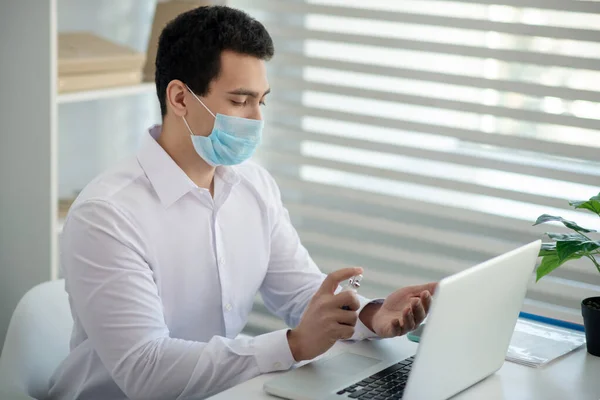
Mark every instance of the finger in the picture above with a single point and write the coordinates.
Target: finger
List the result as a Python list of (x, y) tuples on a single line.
[(416, 326), (397, 327), (346, 317), (399, 324), (347, 300), (333, 280), (344, 332), (418, 311), (426, 300), (430, 287), (409, 321)]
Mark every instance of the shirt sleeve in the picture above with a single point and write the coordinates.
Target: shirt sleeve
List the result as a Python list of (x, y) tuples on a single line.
[(360, 330), (114, 296), (293, 278)]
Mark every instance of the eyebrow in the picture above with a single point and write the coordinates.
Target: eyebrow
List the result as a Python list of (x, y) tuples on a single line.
[(248, 92)]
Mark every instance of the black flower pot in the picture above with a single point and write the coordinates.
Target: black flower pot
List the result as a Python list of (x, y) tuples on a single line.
[(590, 309)]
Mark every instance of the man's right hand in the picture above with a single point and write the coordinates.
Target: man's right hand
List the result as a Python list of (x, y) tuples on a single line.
[(325, 322)]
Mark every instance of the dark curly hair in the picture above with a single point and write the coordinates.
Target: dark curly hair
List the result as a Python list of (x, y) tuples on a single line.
[(190, 46)]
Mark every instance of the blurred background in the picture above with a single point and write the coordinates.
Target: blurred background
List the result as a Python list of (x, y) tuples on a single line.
[(414, 138)]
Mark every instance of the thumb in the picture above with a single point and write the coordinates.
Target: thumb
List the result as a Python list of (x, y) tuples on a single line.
[(332, 280)]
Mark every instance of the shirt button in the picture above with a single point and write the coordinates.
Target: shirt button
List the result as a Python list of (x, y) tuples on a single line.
[(221, 261), (277, 365), (228, 307)]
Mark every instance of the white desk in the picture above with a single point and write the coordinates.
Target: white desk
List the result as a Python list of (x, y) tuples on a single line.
[(573, 377)]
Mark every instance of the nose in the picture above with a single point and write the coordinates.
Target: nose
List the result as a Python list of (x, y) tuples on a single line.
[(256, 113)]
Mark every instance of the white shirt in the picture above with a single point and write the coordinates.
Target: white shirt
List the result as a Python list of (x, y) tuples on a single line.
[(161, 279)]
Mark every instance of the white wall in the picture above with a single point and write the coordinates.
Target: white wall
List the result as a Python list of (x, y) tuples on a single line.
[(26, 143)]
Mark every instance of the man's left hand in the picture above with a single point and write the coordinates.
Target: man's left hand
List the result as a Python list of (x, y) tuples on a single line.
[(401, 312)]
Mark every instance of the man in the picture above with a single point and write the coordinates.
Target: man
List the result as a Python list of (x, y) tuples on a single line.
[(164, 255)]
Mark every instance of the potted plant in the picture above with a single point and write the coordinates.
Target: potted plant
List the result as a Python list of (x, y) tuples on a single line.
[(570, 246)]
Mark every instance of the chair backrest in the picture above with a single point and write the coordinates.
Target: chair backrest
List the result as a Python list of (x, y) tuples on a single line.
[(37, 339)]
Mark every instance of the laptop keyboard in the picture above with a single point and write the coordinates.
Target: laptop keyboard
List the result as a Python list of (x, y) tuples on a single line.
[(387, 384)]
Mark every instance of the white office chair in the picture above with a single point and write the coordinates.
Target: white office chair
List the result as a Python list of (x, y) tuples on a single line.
[(36, 342)]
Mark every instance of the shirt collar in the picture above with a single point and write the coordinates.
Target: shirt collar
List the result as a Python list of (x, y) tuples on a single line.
[(168, 180)]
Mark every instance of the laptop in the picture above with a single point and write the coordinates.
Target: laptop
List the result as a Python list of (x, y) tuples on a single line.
[(468, 331)]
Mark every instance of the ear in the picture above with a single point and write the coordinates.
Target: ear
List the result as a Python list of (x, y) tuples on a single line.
[(176, 97)]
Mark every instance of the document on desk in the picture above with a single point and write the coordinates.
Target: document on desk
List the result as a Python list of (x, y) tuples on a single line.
[(535, 344)]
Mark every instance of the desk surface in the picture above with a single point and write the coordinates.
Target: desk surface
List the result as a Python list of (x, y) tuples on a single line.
[(575, 376)]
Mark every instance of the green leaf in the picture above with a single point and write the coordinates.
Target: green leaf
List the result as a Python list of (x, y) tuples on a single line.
[(547, 249), (551, 261), (569, 250), (568, 237), (549, 264), (593, 204), (569, 224)]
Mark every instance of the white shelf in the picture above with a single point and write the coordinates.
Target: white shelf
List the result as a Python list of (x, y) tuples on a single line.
[(74, 97)]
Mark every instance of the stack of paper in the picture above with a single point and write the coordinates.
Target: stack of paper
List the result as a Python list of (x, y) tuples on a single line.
[(535, 344)]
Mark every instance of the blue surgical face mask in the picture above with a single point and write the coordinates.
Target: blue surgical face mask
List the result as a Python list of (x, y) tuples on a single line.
[(232, 141)]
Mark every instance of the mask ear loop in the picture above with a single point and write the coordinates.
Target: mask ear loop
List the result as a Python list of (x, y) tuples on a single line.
[(203, 105), (197, 98), (188, 126)]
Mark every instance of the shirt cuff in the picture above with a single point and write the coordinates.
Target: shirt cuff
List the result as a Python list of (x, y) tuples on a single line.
[(273, 352), (361, 332)]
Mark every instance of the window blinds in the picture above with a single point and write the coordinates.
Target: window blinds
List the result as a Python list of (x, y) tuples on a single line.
[(417, 138)]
